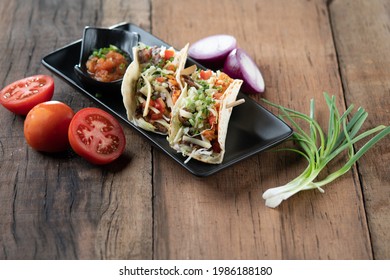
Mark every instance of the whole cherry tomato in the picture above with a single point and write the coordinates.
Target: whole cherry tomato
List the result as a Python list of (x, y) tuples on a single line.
[(46, 126)]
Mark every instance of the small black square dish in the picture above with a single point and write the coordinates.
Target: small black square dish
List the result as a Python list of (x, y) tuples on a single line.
[(252, 128), (95, 40)]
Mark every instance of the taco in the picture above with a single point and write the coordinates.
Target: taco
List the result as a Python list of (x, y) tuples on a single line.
[(151, 86), (200, 118)]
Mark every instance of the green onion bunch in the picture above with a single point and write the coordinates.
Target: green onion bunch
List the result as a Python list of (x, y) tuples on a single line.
[(320, 149)]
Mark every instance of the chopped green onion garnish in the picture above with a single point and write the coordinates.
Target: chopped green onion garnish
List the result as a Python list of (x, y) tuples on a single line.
[(101, 53)]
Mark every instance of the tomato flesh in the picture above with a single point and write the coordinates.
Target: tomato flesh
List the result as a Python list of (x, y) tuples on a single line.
[(46, 126), (21, 96), (205, 74), (96, 136), (109, 68), (168, 54)]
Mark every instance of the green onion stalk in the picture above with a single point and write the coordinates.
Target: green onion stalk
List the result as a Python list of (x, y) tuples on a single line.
[(320, 149)]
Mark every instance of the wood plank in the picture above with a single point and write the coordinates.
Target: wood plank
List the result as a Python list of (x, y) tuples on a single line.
[(223, 216), (59, 206), (361, 31)]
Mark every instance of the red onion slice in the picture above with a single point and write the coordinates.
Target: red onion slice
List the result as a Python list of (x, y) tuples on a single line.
[(239, 65), (212, 51)]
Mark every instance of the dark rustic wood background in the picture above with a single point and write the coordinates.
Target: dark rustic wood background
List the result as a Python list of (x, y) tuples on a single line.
[(145, 206)]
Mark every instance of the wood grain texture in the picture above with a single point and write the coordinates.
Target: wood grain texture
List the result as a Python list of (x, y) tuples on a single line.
[(59, 206), (361, 31), (145, 206), (224, 216)]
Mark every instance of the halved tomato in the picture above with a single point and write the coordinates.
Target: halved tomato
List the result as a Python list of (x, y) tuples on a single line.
[(96, 135), (21, 96)]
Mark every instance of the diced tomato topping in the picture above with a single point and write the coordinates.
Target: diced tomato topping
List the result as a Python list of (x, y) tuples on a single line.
[(160, 105), (160, 79), (154, 116), (205, 74), (168, 54), (211, 134)]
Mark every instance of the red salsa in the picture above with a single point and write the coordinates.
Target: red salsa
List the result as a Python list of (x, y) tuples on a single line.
[(107, 64)]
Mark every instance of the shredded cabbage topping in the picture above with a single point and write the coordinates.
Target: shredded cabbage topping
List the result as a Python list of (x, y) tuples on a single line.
[(155, 87), (199, 114)]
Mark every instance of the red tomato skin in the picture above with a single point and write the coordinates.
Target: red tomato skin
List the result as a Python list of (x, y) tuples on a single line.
[(108, 129), (168, 54), (46, 126), (205, 74), (160, 104), (21, 106)]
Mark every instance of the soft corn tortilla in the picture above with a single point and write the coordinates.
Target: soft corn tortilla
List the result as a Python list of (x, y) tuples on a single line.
[(128, 88)]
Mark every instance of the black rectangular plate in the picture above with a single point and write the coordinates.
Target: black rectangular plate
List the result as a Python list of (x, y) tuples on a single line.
[(252, 128)]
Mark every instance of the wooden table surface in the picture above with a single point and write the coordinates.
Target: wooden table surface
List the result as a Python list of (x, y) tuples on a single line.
[(145, 205)]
